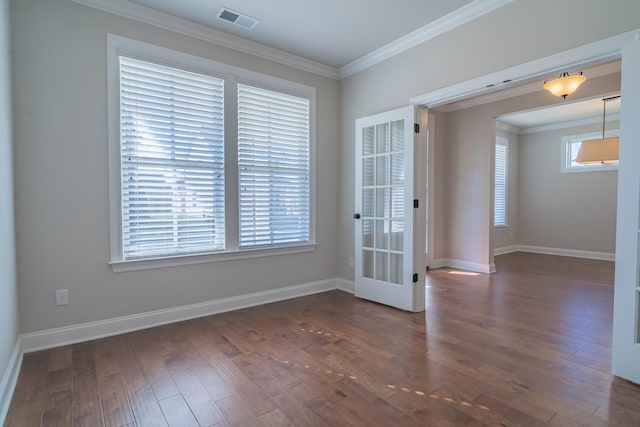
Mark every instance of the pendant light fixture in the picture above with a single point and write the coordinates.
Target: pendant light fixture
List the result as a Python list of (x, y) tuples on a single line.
[(565, 85), (603, 150)]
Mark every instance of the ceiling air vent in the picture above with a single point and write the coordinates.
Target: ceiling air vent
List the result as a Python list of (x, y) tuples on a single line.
[(236, 18)]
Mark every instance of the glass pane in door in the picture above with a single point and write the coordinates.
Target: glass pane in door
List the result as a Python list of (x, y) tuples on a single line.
[(382, 138), (367, 264), (383, 201), (382, 268), (369, 141), (396, 237), (395, 269)]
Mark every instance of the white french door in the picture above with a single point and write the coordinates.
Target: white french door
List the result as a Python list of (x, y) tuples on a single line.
[(626, 310), (386, 270)]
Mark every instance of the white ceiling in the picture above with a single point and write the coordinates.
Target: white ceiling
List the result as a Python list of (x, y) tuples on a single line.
[(333, 38), (330, 32), (569, 112)]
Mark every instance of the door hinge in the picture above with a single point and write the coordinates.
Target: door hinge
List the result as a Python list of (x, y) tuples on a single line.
[(415, 277), (416, 127), (415, 203)]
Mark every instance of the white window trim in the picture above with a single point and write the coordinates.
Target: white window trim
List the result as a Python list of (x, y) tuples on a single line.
[(564, 153), (500, 140), (147, 264), (116, 46)]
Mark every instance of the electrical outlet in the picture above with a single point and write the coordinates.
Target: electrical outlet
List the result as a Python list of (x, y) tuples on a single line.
[(62, 297), (351, 264)]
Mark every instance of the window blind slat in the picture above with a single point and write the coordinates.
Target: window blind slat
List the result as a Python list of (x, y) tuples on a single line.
[(273, 165), (172, 164)]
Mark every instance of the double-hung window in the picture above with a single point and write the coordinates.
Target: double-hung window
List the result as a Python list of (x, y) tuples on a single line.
[(207, 161), (501, 174), (570, 146)]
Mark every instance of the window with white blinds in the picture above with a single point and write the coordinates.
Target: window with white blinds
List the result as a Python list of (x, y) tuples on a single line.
[(207, 162), (501, 172), (172, 161), (273, 167)]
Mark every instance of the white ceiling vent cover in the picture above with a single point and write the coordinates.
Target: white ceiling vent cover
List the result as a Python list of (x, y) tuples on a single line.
[(236, 18)]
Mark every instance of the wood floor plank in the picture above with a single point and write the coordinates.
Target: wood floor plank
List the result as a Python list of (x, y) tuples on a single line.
[(258, 400), (431, 410), (57, 409), (146, 409), (28, 398), (512, 416), (294, 407), (25, 415), (275, 418), (526, 346), (268, 374), (370, 409), (115, 404), (143, 401), (237, 412), (85, 397), (57, 405), (151, 350), (203, 407), (177, 412), (187, 341)]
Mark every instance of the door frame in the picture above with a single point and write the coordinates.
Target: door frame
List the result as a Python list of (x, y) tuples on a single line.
[(605, 50), (601, 51)]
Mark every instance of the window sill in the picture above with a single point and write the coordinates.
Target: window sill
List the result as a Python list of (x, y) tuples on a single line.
[(500, 227), (590, 169), (148, 264)]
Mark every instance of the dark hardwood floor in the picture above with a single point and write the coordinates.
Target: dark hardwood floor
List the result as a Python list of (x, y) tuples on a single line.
[(529, 345)]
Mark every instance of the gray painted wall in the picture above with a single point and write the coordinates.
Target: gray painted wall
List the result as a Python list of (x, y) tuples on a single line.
[(439, 213), (60, 113), (9, 328), (564, 210)]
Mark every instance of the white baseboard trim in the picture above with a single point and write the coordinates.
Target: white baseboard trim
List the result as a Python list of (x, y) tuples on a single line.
[(506, 250), (9, 380), (463, 265), (575, 253), (50, 338), (438, 263), (346, 285)]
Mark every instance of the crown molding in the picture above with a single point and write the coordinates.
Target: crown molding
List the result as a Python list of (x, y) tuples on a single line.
[(510, 92), (506, 127), (600, 51), (147, 15), (458, 17)]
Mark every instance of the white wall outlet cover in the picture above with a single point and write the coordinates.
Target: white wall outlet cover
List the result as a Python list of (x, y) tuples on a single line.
[(62, 297)]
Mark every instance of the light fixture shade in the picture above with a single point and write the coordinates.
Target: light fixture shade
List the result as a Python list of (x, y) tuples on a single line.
[(595, 151), (565, 84)]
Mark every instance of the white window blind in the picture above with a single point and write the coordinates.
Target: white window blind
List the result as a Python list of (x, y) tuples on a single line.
[(172, 161), (500, 199), (273, 167)]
